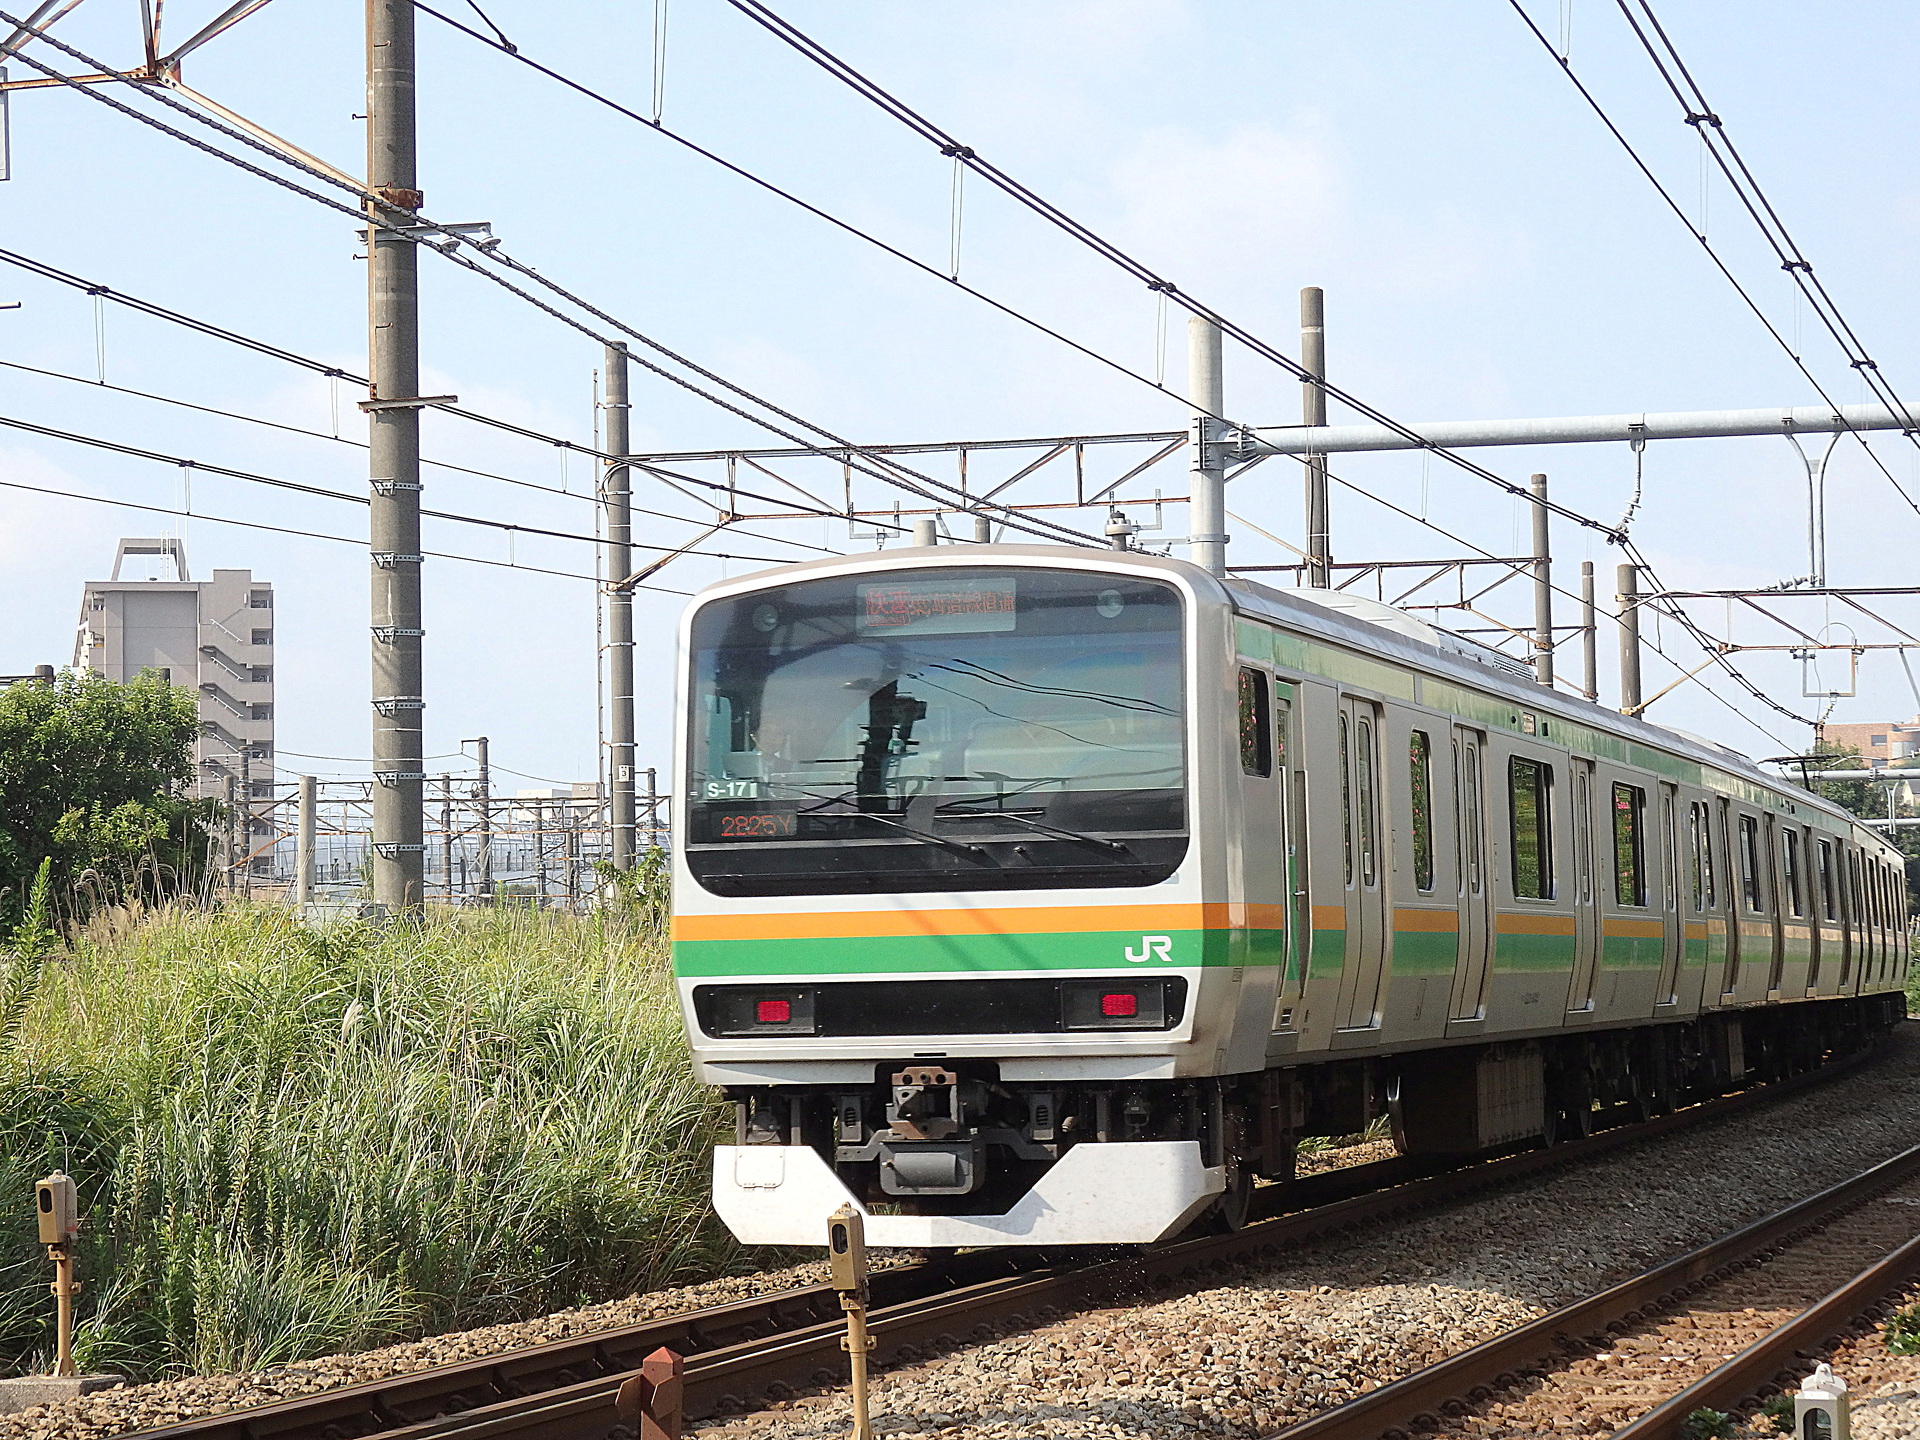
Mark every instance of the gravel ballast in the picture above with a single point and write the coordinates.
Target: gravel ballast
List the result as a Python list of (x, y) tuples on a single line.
[(1266, 1347)]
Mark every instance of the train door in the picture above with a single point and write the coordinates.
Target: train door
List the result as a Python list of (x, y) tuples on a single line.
[(1258, 913), (1288, 761), (1734, 898), (1673, 926), (1702, 890), (1586, 943), (1849, 921), (1471, 876), (1364, 843), (1771, 878), (1824, 903)]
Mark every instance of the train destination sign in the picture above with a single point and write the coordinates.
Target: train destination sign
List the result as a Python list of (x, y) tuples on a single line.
[(968, 605)]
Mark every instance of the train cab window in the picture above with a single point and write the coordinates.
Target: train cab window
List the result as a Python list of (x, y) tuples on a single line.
[(1629, 845), (1824, 859), (1282, 728), (1750, 863), (1790, 871), (1369, 801), (1256, 724), (1530, 819), (1420, 789)]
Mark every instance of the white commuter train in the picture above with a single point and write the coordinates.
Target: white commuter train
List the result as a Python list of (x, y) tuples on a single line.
[(1035, 895)]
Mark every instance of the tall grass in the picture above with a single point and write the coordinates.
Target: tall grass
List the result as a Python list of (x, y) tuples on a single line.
[(292, 1141)]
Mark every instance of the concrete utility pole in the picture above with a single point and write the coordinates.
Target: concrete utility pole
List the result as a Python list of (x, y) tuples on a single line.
[(1627, 602), (1206, 391), (303, 847), (1589, 633), (483, 792), (393, 462), (1542, 585), (620, 613), (1313, 411)]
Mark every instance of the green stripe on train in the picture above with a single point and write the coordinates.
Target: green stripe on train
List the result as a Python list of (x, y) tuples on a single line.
[(920, 954)]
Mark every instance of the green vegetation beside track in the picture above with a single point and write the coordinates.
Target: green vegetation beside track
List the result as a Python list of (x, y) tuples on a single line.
[(293, 1141)]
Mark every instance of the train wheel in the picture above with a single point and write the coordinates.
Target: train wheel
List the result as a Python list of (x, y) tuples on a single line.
[(1230, 1211)]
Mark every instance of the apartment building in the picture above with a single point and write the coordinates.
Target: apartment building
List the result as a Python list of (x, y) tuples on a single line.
[(214, 637)]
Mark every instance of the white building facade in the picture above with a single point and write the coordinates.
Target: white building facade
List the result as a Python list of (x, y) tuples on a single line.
[(213, 637)]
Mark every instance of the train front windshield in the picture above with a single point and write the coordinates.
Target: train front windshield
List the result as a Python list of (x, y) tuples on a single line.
[(964, 729)]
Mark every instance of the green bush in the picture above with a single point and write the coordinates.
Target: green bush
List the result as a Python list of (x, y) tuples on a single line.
[(1903, 1331), (292, 1142), (1706, 1424), (1778, 1412)]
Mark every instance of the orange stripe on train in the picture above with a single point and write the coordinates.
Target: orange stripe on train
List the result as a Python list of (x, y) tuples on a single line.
[(1037, 920)]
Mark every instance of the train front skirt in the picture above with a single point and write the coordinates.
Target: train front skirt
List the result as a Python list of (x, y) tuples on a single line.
[(1118, 1193)]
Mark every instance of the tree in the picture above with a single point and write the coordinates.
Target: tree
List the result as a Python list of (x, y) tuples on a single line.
[(92, 778)]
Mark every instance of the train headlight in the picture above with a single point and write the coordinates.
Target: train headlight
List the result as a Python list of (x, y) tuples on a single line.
[(742, 1011), (1113, 1005)]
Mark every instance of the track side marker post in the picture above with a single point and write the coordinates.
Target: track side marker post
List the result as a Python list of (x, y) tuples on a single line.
[(649, 1403), (1820, 1407), (847, 1264)]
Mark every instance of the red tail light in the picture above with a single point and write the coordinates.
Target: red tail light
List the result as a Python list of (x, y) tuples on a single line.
[(1120, 1006), (776, 1012)]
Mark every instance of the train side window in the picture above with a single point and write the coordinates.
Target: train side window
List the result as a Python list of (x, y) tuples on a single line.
[(1824, 857), (1282, 728), (1346, 799), (1790, 870), (1369, 800), (1629, 845), (1750, 863), (1420, 778), (1256, 724), (1530, 818)]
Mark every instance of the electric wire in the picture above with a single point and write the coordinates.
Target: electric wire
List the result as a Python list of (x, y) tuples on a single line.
[(203, 467), (1753, 198), (889, 472), (212, 519), (362, 445), (949, 146), (1670, 607), (666, 132), (1712, 254)]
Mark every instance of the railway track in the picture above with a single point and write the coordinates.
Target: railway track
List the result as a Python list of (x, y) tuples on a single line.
[(742, 1354), (1710, 1329)]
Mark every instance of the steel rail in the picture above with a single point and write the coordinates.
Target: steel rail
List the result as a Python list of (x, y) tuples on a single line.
[(1767, 1360), (771, 1346), (1564, 1334)]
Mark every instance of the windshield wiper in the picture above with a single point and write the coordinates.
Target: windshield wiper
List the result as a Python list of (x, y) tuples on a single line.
[(925, 836), (1113, 846)]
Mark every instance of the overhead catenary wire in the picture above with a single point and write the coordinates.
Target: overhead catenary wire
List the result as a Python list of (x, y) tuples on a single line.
[(948, 145), (1522, 569), (139, 452), (887, 472), (359, 542), (1746, 187), (361, 445), (1706, 245)]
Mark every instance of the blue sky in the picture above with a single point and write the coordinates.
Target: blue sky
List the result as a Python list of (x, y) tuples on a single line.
[(1486, 249)]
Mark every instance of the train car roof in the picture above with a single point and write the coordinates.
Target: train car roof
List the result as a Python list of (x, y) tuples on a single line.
[(1370, 625)]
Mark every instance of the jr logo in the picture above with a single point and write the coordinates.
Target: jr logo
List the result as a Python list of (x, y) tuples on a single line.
[(1152, 947)]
